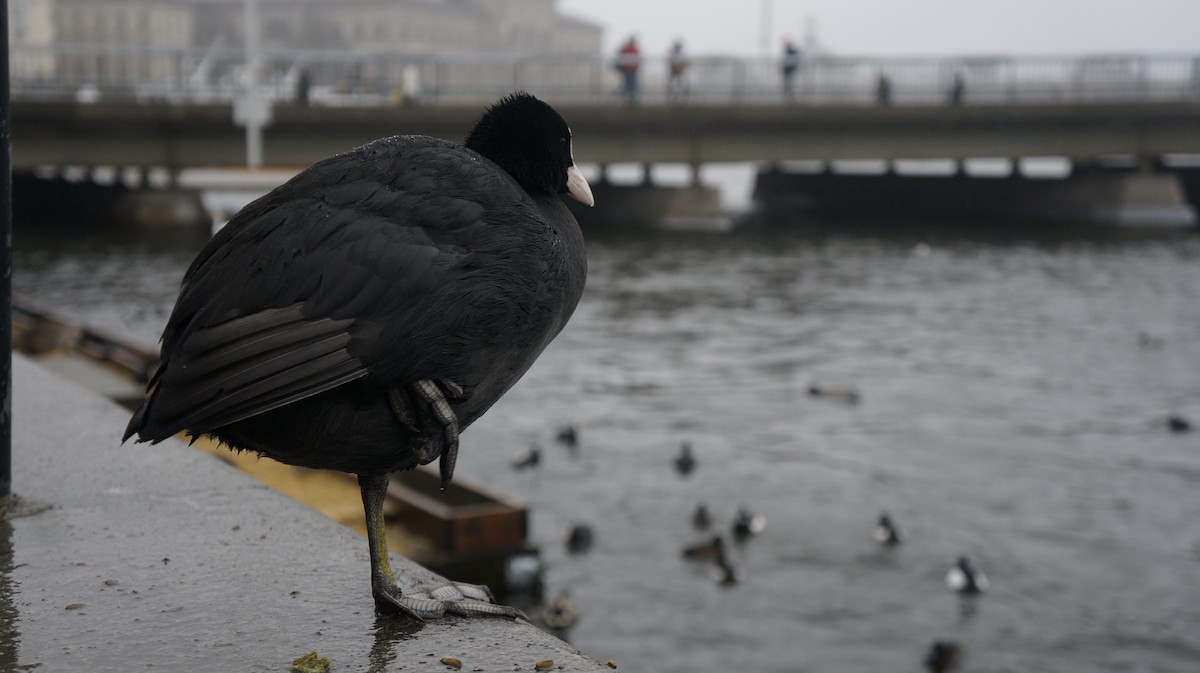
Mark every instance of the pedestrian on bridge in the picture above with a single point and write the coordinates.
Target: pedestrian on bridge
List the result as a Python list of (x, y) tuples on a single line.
[(958, 89), (677, 87), (629, 60), (883, 90), (791, 63)]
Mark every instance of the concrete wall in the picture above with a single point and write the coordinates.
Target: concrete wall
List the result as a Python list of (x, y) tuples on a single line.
[(162, 557)]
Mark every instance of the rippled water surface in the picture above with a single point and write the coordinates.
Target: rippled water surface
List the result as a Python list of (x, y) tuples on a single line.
[(1009, 412)]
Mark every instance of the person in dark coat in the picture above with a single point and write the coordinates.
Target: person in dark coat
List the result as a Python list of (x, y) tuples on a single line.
[(789, 67)]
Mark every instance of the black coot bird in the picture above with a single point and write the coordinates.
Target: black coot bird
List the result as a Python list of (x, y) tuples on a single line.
[(362, 315)]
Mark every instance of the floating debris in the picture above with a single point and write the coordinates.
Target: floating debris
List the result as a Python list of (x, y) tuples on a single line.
[(111, 583), (842, 394), (310, 663), (544, 665), (701, 518), (1179, 424), (452, 662), (74, 606), (611, 664)]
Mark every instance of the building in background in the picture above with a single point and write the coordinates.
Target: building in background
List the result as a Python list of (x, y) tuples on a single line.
[(176, 44)]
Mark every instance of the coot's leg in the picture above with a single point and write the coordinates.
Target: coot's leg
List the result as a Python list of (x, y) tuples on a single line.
[(462, 599), (383, 584)]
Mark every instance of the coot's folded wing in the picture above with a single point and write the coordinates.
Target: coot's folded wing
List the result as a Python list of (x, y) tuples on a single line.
[(289, 299), (246, 366)]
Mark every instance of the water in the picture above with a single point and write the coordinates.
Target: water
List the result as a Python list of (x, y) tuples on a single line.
[(1008, 412)]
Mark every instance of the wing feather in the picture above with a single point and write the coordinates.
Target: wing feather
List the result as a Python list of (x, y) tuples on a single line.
[(247, 366)]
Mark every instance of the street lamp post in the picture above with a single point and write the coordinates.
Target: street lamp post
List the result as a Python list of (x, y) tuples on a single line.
[(252, 110)]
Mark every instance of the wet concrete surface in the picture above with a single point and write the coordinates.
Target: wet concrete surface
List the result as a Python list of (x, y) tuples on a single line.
[(165, 558)]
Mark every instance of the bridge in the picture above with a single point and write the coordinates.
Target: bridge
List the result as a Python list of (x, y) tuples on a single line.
[(172, 107), (68, 133), (179, 111)]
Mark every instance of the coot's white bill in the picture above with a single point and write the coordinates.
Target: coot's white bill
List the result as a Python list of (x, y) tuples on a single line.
[(578, 187)]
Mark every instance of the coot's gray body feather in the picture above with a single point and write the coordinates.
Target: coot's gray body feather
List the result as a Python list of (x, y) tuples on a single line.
[(361, 316), (406, 259)]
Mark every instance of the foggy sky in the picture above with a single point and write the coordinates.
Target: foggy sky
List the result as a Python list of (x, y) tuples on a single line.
[(904, 27)]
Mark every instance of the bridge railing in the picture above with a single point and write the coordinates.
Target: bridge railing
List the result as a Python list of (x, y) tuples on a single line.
[(332, 78)]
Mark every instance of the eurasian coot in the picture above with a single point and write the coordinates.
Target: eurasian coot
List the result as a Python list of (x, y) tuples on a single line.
[(363, 314)]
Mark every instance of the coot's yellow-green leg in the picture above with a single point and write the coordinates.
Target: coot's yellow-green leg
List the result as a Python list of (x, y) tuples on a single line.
[(388, 597), (429, 603)]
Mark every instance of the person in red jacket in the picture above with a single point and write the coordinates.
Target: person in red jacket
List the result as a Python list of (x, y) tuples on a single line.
[(629, 60)]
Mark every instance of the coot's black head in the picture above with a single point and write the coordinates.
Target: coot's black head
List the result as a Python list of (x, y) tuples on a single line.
[(530, 141)]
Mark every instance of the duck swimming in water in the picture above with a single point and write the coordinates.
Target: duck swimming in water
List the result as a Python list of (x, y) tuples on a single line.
[(747, 524), (530, 458), (723, 571), (943, 656), (886, 532), (964, 578), (568, 436), (706, 551), (579, 538), (685, 462)]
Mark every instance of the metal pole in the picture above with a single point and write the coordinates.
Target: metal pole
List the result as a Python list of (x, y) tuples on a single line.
[(6, 263), (254, 122)]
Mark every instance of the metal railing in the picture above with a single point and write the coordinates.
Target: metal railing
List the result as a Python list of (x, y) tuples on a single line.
[(339, 78)]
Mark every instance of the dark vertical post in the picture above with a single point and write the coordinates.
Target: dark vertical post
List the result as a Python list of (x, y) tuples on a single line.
[(6, 262)]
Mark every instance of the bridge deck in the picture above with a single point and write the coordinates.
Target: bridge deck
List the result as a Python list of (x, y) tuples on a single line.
[(179, 136)]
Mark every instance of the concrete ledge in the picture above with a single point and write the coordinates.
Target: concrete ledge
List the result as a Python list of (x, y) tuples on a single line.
[(162, 557)]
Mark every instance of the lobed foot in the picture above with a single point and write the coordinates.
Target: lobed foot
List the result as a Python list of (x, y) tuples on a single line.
[(468, 600), (436, 396)]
